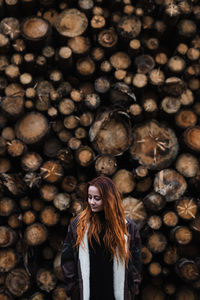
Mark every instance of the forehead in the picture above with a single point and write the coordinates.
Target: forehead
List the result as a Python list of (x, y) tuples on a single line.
[(93, 190)]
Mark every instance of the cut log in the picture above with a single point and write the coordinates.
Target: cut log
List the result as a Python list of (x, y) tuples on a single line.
[(7, 236), (135, 210), (108, 38), (51, 171), (49, 216), (181, 234), (170, 218), (157, 242), (129, 27), (8, 260), (170, 256), (154, 145), (32, 128), (59, 293), (154, 201), (62, 201), (85, 156), (187, 208), (46, 280), (106, 164), (155, 268), (35, 234), (187, 269), (7, 205), (35, 30), (124, 181), (191, 138), (186, 118), (17, 281), (154, 222), (69, 183), (170, 184), (146, 255), (110, 133)]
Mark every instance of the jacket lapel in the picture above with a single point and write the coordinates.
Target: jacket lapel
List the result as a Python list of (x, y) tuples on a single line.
[(118, 271), (84, 259)]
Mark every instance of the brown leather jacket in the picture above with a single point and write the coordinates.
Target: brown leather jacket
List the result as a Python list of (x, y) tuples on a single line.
[(74, 272)]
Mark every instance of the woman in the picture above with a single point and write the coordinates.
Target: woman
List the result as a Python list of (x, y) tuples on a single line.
[(101, 255)]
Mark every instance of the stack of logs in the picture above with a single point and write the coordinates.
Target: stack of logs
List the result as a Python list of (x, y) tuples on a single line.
[(92, 87)]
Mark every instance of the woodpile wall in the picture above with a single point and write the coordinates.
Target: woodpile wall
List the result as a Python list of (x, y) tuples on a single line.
[(94, 87)]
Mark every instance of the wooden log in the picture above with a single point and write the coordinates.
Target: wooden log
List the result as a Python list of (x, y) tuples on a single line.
[(69, 183), (79, 45), (84, 156), (17, 281), (146, 255), (186, 118), (191, 137), (157, 242), (71, 23), (14, 221), (7, 236), (59, 293), (49, 216), (32, 128), (107, 38), (187, 208), (155, 268), (51, 171), (110, 133), (170, 218), (35, 234), (16, 148), (154, 222), (129, 27), (8, 259), (37, 296), (171, 255), (4, 165), (195, 223), (152, 145), (31, 161), (48, 192), (120, 60), (106, 164), (170, 105), (124, 181), (46, 280), (170, 184), (135, 210), (7, 205), (181, 234), (187, 269), (29, 217), (154, 201), (51, 147), (62, 201), (36, 31), (186, 28)]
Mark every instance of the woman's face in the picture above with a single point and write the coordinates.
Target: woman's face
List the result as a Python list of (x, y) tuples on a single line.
[(94, 199)]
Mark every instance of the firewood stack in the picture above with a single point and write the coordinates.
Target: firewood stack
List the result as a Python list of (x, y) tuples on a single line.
[(95, 87)]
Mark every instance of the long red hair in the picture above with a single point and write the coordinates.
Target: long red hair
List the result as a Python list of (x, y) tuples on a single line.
[(115, 224)]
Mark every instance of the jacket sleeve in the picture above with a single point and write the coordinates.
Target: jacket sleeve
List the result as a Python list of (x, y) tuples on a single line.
[(69, 262), (135, 264)]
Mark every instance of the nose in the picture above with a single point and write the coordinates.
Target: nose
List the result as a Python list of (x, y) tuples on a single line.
[(92, 200)]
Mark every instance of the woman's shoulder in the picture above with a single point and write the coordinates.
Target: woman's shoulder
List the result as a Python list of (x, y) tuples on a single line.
[(131, 224)]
